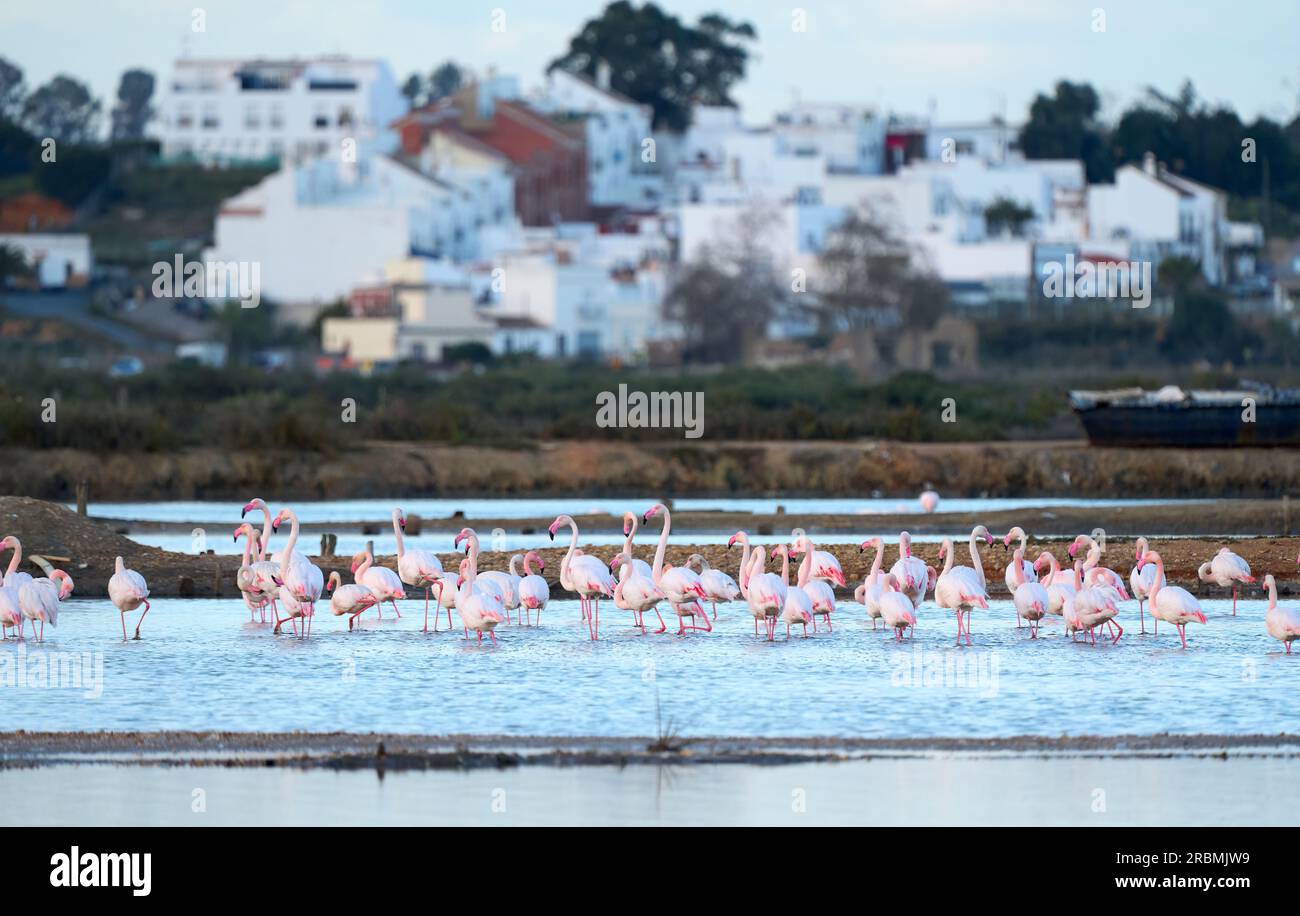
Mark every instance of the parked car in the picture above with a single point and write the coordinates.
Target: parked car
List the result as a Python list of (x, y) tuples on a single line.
[(125, 367)]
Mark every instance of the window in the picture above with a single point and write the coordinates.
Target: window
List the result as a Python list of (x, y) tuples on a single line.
[(252, 117), (185, 116), (321, 118), (211, 121), (345, 116), (277, 117)]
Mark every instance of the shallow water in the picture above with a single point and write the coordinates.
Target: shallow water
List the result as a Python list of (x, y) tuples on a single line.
[(353, 510), (944, 789), (202, 665)]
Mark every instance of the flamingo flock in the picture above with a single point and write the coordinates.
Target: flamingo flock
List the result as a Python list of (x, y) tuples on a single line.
[(283, 587)]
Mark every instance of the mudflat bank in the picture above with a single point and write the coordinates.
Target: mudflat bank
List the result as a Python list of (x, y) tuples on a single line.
[(680, 468)]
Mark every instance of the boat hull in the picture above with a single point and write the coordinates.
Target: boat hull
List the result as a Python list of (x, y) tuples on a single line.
[(1191, 427)]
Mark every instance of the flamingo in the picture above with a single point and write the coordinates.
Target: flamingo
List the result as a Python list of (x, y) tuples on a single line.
[(635, 591), (1282, 622), (630, 526), (259, 505), (718, 586), (128, 590), (583, 574), (679, 584), (1031, 598), (896, 608), (476, 610), (1141, 580), (929, 501), (1093, 561), (1094, 604), (38, 600), (1030, 574), (872, 588), (909, 571), (301, 582), (11, 614), (1060, 594), (417, 568), (1073, 623), (246, 579), (820, 595), (533, 590), (13, 578), (350, 600), (742, 573), (962, 588), (826, 568), (765, 594), (1171, 603), (798, 606), (382, 582), (506, 585), (1226, 569)]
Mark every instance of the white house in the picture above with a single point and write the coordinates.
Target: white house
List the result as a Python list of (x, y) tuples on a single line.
[(227, 111), (622, 167), (992, 141), (849, 138), (317, 227), (57, 259)]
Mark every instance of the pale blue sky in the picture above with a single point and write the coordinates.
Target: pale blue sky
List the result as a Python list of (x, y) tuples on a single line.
[(969, 58)]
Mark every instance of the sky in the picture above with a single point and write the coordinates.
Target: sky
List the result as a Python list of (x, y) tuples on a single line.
[(955, 60)]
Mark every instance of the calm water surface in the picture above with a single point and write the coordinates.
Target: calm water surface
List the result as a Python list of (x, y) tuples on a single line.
[(202, 665)]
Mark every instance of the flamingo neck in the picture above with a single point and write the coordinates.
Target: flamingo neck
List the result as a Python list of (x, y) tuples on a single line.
[(248, 548), (266, 528), (742, 574), (805, 568), (785, 565), (875, 564), (663, 544), (1018, 563), (15, 559), (293, 539), (947, 555), (568, 557), (1272, 596), (397, 532), (975, 559), (1160, 575)]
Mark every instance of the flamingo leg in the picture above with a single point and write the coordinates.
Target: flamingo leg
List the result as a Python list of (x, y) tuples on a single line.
[(1142, 619), (1234, 601), (396, 610), (715, 610), (1182, 633), (426, 611), (141, 620), (123, 627)]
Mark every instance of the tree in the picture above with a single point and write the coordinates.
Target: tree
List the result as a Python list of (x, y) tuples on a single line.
[(413, 89), (132, 110), (725, 297), (657, 60), (12, 264), (12, 90), (443, 81), (1005, 215), (871, 278), (1065, 126), (63, 109), (74, 175)]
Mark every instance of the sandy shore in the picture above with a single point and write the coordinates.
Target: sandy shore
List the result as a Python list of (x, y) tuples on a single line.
[(346, 751)]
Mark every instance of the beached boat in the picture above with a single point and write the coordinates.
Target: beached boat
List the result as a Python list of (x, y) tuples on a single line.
[(1251, 415)]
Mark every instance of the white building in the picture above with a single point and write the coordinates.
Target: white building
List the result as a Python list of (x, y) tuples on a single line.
[(226, 111), (317, 227), (992, 141), (622, 168), (849, 138), (57, 259)]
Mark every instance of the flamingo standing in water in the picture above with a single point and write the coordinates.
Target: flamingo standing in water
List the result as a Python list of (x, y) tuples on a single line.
[(1171, 603), (798, 603), (1031, 598), (417, 568), (896, 608), (301, 582), (350, 600), (128, 590), (909, 571), (533, 590), (872, 588), (246, 578), (681, 586), (1140, 580), (382, 582), (742, 572), (1226, 570), (963, 588), (477, 610), (38, 600), (1093, 561), (1030, 574), (765, 594), (583, 574), (718, 586), (1283, 623), (1060, 594), (630, 525), (635, 591), (820, 595), (1094, 604)]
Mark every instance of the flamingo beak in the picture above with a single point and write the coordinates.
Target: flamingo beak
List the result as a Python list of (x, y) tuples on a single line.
[(401, 523), (277, 580), (1074, 548)]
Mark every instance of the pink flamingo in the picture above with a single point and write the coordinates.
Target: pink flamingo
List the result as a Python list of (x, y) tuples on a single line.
[(1031, 598), (635, 592), (1140, 580), (896, 608), (11, 615), (1030, 574), (38, 600), (476, 610), (1060, 594), (679, 584), (1226, 569), (1283, 623), (1171, 603), (742, 573), (348, 600), (533, 590), (962, 588), (382, 581), (416, 567), (1093, 561), (301, 582), (718, 586), (872, 587), (909, 571), (766, 594), (821, 596), (929, 501), (1094, 605), (583, 574), (798, 605), (246, 577), (128, 590)]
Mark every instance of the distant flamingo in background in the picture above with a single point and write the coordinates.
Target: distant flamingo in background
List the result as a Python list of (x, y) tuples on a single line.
[(38, 600), (1140, 580), (1282, 623), (417, 568), (1226, 570), (929, 501), (718, 586), (1031, 598), (350, 600), (896, 608), (1171, 603), (909, 571), (13, 577), (820, 595), (533, 590), (871, 589), (962, 588), (128, 590), (585, 575)]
